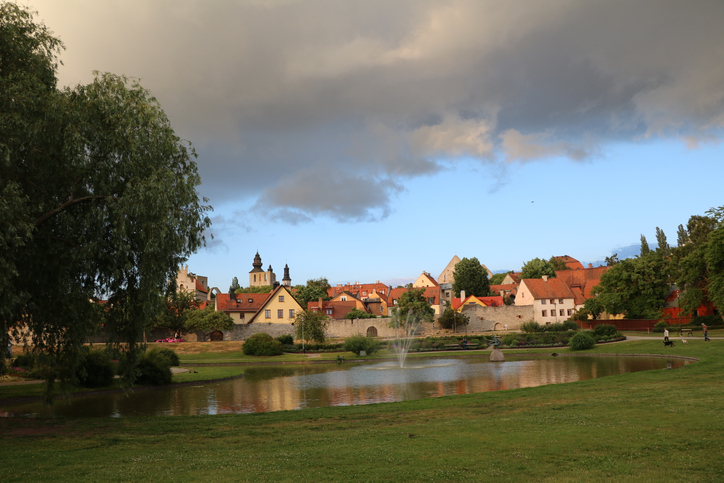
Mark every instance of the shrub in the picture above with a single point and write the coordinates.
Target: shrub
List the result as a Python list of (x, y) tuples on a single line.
[(358, 343), (660, 326), (96, 370), (26, 361), (709, 320), (154, 368), (604, 330), (555, 327), (510, 340), (570, 325), (530, 327), (581, 341), (167, 353), (286, 339), (262, 344)]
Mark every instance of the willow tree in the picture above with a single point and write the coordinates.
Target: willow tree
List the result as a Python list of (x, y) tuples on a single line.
[(99, 201)]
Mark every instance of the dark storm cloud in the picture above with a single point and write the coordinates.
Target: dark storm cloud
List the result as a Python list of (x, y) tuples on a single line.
[(324, 108)]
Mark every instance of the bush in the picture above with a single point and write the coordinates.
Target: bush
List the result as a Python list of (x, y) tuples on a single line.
[(709, 320), (286, 339), (167, 353), (570, 325), (605, 330), (262, 344), (581, 341), (511, 340), (530, 327), (96, 370), (660, 326), (26, 361), (555, 327), (154, 368), (358, 343)]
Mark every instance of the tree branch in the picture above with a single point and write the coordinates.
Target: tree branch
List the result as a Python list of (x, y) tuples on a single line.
[(71, 202)]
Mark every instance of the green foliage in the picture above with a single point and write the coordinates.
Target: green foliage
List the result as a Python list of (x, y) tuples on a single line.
[(581, 341), (259, 289), (207, 321), (358, 343), (285, 339), (471, 277), (154, 368), (660, 326), (605, 330), (645, 250), (570, 325), (95, 370), (537, 268), (497, 278), (359, 314), (558, 264), (176, 305), (311, 326), (510, 340), (530, 326), (234, 285), (262, 344), (97, 200), (413, 302), (315, 289), (636, 287), (451, 319), (169, 354)]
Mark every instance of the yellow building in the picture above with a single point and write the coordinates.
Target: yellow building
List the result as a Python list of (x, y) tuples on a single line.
[(279, 308)]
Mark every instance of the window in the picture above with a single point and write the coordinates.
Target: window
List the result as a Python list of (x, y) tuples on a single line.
[(281, 298), (291, 313), (251, 301), (329, 311), (364, 292), (280, 313), (545, 313), (267, 314), (552, 301), (569, 312), (343, 298), (543, 302), (560, 301), (561, 313)]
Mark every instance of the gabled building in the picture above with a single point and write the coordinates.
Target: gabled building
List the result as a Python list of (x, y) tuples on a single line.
[(511, 278), (581, 282), (280, 307), (240, 307), (332, 309), (505, 290), (458, 304), (190, 282), (425, 280), (570, 262), (431, 294), (551, 299)]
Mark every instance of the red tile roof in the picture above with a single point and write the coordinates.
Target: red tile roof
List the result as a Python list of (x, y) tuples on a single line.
[(491, 301), (570, 262), (358, 288), (339, 309), (584, 279), (243, 302), (553, 288)]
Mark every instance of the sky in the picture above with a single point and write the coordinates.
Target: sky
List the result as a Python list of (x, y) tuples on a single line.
[(375, 140)]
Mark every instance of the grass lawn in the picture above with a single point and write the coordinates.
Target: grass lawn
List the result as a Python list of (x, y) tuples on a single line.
[(663, 425)]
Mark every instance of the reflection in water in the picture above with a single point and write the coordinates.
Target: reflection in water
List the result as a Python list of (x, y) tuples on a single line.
[(264, 389)]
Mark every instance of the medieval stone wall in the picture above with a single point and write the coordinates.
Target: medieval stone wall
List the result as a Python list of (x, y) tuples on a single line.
[(505, 317)]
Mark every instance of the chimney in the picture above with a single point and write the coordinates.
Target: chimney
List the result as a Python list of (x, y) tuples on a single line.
[(462, 295), (590, 265), (321, 307), (545, 278)]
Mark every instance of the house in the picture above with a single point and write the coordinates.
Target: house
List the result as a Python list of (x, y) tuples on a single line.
[(551, 298), (431, 294), (425, 280), (581, 282), (489, 301), (280, 307), (448, 273), (511, 278), (361, 290), (333, 309), (673, 310), (240, 307), (505, 290), (190, 282), (375, 304)]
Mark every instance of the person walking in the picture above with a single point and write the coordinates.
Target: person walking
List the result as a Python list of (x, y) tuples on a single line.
[(706, 331), (666, 334)]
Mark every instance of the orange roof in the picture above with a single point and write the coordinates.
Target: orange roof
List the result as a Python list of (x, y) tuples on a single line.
[(570, 262), (243, 302), (429, 293), (553, 288), (584, 279), (200, 287), (359, 289), (490, 301), (339, 309)]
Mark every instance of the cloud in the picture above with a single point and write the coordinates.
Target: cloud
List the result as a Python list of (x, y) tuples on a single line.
[(278, 95)]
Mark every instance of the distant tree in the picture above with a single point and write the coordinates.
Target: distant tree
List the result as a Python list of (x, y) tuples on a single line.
[(311, 326), (612, 260), (635, 287), (315, 289), (471, 277), (177, 303), (207, 321), (558, 264), (414, 302), (259, 289), (498, 278), (664, 249), (234, 285), (451, 319), (681, 236), (593, 307), (358, 314), (644, 246), (537, 268)]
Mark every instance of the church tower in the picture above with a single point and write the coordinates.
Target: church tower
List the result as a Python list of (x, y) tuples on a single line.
[(257, 275), (286, 281)]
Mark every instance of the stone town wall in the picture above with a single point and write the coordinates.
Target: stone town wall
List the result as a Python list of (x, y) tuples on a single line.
[(505, 317)]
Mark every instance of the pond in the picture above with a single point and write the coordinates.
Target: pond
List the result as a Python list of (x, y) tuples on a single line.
[(284, 387)]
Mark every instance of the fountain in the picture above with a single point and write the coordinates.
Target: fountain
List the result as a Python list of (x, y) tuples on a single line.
[(405, 332)]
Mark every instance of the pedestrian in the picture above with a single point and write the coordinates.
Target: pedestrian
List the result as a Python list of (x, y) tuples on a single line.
[(666, 334), (706, 332), (465, 344)]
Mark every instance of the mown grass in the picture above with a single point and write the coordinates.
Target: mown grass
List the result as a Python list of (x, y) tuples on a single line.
[(660, 425)]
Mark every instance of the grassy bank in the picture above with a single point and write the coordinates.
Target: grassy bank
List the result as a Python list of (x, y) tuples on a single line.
[(649, 426)]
